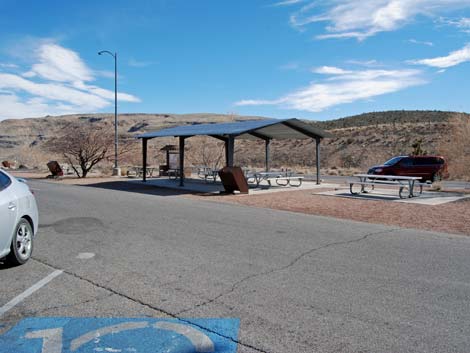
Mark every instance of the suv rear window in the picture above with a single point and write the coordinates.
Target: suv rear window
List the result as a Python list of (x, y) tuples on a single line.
[(4, 181)]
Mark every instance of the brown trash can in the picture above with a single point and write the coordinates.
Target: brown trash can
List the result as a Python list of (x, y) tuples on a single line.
[(55, 168), (233, 179)]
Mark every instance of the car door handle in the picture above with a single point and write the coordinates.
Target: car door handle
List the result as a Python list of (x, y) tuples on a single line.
[(11, 206)]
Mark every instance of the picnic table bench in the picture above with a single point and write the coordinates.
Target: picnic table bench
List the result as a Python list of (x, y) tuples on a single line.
[(281, 178), (402, 182)]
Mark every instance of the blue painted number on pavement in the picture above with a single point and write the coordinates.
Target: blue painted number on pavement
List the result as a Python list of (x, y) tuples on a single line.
[(121, 335)]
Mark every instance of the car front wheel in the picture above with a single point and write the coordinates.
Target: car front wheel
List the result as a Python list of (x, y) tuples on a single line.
[(22, 243)]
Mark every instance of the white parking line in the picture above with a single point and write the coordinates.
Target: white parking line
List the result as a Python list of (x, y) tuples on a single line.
[(18, 299)]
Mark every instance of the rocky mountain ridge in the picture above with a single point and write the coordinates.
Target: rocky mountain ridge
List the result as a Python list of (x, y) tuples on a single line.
[(358, 141)]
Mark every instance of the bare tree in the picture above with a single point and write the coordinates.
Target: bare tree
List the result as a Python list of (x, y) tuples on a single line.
[(83, 147), (208, 152)]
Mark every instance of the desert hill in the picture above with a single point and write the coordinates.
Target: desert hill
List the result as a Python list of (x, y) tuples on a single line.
[(359, 141)]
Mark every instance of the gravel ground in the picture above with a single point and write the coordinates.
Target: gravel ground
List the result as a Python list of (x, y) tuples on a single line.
[(452, 217)]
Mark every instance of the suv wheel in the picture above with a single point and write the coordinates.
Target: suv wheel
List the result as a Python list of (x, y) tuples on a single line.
[(435, 177)]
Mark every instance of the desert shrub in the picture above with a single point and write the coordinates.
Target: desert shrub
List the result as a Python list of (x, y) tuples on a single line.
[(456, 148)]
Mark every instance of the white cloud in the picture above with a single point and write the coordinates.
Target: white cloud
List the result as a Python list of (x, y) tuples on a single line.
[(56, 84), (330, 70), (342, 87), (362, 19), (52, 91), (104, 93), (57, 63), (13, 107), (454, 58)]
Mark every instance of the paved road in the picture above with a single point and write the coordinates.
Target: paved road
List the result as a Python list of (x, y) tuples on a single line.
[(298, 283)]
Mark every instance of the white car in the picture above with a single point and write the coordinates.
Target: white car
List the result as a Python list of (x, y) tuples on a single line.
[(18, 219)]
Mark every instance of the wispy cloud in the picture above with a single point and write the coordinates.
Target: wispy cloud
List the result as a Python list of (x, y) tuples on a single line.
[(415, 41), (287, 2), (454, 58), (343, 86), (365, 63), (462, 23), (293, 65), (105, 73), (57, 83), (137, 63), (362, 19), (8, 66)]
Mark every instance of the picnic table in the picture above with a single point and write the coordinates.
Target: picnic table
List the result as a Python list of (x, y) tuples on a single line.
[(402, 182), (282, 178), (207, 173), (139, 171)]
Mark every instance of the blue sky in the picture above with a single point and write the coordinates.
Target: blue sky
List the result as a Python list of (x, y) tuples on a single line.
[(294, 58)]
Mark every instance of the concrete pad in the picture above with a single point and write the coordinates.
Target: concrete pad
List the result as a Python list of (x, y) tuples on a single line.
[(430, 198), (193, 185), (200, 186)]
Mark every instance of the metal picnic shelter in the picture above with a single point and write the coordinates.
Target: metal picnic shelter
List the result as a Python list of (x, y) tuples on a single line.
[(265, 129)]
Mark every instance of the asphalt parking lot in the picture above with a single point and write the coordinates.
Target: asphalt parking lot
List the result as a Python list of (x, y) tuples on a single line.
[(246, 279)]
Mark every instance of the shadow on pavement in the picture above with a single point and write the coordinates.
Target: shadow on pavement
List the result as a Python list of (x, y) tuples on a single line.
[(5, 266), (141, 189)]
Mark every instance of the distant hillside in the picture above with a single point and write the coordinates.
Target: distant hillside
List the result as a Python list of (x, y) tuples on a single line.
[(388, 117), (359, 141)]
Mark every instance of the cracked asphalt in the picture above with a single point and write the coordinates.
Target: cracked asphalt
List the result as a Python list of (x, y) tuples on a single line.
[(298, 283)]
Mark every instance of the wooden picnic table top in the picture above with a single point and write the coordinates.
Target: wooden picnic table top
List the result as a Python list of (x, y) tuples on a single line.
[(392, 177)]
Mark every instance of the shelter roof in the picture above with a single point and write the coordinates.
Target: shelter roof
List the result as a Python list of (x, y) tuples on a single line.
[(265, 129)]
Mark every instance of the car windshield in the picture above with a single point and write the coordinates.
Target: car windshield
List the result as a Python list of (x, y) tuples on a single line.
[(393, 161)]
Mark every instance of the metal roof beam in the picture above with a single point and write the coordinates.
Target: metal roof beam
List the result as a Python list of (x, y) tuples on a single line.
[(184, 136), (260, 136), (219, 137), (302, 131)]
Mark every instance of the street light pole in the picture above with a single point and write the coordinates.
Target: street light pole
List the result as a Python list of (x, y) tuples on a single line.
[(116, 169)]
